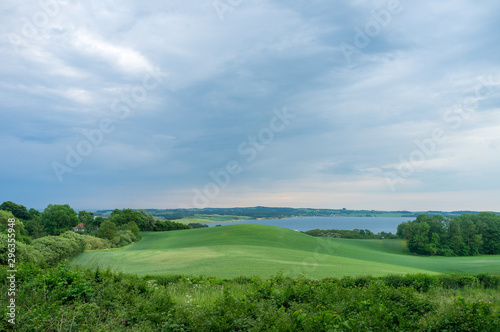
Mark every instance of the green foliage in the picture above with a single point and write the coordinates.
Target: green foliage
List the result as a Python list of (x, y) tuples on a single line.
[(119, 237), (96, 223), (167, 225), (19, 228), (463, 316), (23, 252), (350, 234), (77, 238), (466, 235), (123, 217), (63, 298), (144, 220), (122, 239), (455, 281), (134, 229), (197, 225), (54, 249), (35, 227), (95, 243), (33, 213), (108, 230), (59, 218), (19, 211), (87, 218)]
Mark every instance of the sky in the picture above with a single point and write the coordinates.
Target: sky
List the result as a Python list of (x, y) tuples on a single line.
[(384, 105)]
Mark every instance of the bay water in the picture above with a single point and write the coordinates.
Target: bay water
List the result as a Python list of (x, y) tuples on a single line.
[(302, 224)]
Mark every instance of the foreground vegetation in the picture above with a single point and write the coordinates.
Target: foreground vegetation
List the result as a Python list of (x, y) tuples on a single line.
[(65, 299), (259, 250), (250, 277)]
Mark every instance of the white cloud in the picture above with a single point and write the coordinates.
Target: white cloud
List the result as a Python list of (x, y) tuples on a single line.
[(226, 77), (126, 59)]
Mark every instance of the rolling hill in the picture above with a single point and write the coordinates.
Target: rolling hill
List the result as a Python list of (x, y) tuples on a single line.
[(249, 250)]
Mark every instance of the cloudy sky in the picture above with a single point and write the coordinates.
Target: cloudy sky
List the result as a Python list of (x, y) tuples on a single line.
[(386, 105)]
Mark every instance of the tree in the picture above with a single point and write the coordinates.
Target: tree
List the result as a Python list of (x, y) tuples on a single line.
[(465, 235), (5, 216), (108, 230), (125, 216), (35, 227), (488, 225), (132, 226), (59, 218), (86, 218), (419, 238), (33, 213), (148, 222), (19, 211), (404, 230), (94, 224)]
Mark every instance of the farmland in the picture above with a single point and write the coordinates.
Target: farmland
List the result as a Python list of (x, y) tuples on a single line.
[(257, 250)]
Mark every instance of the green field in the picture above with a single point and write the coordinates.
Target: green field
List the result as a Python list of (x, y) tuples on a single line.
[(259, 250)]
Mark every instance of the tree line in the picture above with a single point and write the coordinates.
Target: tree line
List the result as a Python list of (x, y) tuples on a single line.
[(350, 234), (464, 235), (59, 232)]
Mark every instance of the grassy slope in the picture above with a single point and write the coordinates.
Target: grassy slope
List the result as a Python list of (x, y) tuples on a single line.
[(235, 250)]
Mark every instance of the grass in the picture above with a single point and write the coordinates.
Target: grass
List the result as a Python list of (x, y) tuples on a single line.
[(259, 250)]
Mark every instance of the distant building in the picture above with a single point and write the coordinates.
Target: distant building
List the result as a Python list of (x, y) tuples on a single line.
[(79, 228)]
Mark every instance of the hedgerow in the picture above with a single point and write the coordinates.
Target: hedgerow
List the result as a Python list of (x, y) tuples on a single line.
[(64, 298)]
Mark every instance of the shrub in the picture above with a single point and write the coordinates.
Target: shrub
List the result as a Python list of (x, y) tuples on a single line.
[(488, 280), (54, 249), (79, 239), (456, 281), (23, 252), (420, 282), (95, 243), (464, 316), (124, 239), (66, 298)]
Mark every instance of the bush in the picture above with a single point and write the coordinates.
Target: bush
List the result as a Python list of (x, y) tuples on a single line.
[(464, 316), (54, 249), (122, 239), (420, 282), (66, 298), (95, 243), (456, 281), (135, 233), (77, 238), (23, 252), (488, 280)]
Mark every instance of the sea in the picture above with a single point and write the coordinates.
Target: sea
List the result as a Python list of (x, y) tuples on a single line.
[(302, 224)]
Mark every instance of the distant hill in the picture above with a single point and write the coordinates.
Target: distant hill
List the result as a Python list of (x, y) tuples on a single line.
[(284, 212)]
